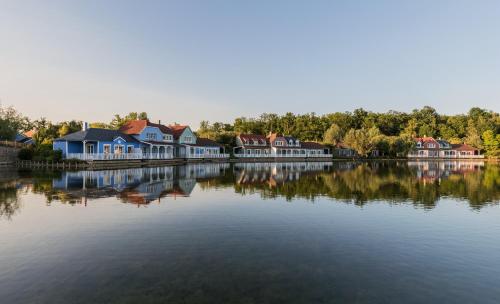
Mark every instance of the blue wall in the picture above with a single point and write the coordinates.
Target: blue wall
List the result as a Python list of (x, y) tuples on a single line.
[(154, 130)]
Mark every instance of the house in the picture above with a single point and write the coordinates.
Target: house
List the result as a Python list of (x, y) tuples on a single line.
[(138, 139), (428, 147), (252, 145), (343, 150), (189, 145), (157, 140), (276, 145), (26, 137), (98, 144)]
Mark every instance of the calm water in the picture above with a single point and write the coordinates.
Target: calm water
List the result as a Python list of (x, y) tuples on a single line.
[(394, 232)]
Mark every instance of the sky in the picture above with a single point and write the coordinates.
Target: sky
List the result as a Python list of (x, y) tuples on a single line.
[(187, 61)]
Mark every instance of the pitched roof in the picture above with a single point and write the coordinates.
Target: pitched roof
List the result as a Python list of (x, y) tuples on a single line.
[(136, 127), (425, 139), (463, 147), (311, 145), (252, 137), (30, 133), (205, 142), (96, 134), (177, 130)]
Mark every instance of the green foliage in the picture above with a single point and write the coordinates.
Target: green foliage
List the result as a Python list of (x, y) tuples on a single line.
[(41, 152), (119, 121), (12, 122), (333, 135), (363, 141), (491, 143)]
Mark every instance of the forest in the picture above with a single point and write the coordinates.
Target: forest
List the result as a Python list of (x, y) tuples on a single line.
[(390, 133)]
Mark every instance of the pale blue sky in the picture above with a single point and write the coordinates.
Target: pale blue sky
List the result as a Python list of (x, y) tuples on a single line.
[(185, 61)]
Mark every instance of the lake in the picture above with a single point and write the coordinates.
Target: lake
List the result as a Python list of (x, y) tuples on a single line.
[(332, 232)]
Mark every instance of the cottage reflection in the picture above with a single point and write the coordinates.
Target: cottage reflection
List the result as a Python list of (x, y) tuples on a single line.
[(138, 186)]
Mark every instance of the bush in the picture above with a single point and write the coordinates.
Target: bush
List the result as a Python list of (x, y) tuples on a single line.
[(42, 152), (26, 153)]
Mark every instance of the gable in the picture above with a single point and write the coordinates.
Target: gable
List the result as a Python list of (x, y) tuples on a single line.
[(187, 136)]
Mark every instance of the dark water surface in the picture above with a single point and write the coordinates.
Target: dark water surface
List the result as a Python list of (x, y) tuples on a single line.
[(379, 232)]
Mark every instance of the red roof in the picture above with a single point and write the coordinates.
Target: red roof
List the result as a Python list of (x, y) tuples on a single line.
[(463, 147), (311, 145), (30, 133), (205, 142), (249, 138), (177, 130), (136, 127), (425, 139)]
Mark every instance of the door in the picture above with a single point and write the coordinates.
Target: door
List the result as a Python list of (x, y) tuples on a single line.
[(89, 148), (118, 149)]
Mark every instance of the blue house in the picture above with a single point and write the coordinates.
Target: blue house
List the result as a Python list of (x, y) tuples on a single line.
[(98, 144), (157, 140)]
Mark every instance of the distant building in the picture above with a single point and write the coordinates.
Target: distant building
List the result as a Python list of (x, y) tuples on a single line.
[(343, 150), (428, 147), (277, 145)]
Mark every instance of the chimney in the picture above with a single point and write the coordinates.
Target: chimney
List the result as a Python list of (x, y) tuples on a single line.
[(85, 126), (159, 122)]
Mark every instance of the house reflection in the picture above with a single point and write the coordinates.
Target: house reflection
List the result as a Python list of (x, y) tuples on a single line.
[(139, 186), (432, 171), (274, 174)]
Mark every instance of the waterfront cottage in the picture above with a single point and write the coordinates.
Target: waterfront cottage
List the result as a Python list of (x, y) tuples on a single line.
[(98, 144), (188, 145), (276, 145), (253, 145), (428, 147), (157, 140)]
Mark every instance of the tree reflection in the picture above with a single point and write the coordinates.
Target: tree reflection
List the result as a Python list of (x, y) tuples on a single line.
[(419, 183)]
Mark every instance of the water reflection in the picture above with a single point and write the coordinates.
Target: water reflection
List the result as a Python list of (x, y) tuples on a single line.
[(422, 183)]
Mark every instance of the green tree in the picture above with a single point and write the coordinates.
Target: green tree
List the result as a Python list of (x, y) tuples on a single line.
[(473, 138), (491, 143), (333, 135)]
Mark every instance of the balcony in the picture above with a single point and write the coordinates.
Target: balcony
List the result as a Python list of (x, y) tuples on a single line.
[(272, 155), (208, 156), (117, 156)]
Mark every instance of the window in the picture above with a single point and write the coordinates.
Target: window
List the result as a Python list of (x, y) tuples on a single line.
[(278, 143), (188, 139), (107, 149), (118, 149), (431, 145), (151, 136), (130, 149), (167, 137)]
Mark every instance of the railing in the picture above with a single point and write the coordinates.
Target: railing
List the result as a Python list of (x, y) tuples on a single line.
[(13, 144), (157, 156), (283, 155), (446, 156), (220, 155), (104, 156)]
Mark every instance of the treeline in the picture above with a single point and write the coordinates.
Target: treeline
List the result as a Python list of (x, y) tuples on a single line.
[(389, 133)]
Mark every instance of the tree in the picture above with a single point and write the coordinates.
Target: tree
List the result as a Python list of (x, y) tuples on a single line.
[(363, 141), (491, 143), (333, 135), (473, 138), (119, 121), (12, 122)]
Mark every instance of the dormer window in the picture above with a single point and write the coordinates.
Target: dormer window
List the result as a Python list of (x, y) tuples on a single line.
[(419, 144), (167, 137), (151, 136), (255, 142), (430, 145)]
